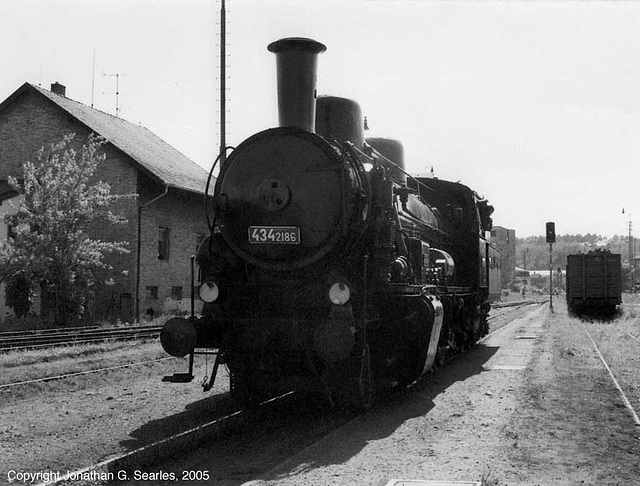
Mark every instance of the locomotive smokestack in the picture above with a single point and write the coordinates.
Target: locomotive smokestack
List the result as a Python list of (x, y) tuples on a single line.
[(296, 60)]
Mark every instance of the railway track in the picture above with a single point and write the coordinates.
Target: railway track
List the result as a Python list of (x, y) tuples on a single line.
[(84, 372), (65, 337), (158, 452), (502, 309), (633, 337), (623, 396)]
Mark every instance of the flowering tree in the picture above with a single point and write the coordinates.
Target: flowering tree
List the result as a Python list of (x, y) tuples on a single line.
[(50, 244)]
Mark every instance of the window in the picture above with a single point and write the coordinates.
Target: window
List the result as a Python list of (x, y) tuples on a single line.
[(163, 243), (176, 293), (152, 292)]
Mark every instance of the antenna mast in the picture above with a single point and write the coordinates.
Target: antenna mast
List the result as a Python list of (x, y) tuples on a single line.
[(223, 74), (117, 93), (93, 76)]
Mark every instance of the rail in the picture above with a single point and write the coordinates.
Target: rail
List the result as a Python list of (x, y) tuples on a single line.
[(182, 442), (84, 372), (31, 340)]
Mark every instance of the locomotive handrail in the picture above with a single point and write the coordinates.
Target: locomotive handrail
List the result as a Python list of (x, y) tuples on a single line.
[(408, 212), (365, 185), (211, 224), (378, 154)]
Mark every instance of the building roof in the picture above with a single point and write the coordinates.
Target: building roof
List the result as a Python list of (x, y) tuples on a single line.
[(153, 155)]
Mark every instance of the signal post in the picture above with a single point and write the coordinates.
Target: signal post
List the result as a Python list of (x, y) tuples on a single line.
[(551, 239)]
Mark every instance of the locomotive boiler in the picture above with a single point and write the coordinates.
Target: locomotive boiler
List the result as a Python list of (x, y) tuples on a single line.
[(327, 265)]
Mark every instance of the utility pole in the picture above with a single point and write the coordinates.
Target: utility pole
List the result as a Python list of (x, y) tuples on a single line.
[(631, 253)]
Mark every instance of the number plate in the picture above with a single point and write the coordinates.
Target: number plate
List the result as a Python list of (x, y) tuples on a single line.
[(286, 235)]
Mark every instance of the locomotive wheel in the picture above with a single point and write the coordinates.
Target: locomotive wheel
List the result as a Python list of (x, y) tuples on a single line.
[(364, 389), (251, 384), (242, 381), (401, 341), (441, 357), (413, 342), (411, 365), (351, 383)]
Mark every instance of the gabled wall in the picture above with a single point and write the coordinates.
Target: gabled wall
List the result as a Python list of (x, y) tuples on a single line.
[(32, 121)]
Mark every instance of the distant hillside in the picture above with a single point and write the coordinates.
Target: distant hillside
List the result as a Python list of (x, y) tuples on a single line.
[(535, 250)]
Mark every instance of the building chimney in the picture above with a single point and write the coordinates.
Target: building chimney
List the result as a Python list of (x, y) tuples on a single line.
[(296, 60), (59, 89)]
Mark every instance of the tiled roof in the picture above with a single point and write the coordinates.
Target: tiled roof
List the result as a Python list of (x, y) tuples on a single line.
[(147, 149)]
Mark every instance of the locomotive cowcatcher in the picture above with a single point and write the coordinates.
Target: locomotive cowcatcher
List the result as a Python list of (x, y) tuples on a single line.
[(327, 266)]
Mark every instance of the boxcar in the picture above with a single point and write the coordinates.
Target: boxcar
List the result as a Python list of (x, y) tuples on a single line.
[(594, 281)]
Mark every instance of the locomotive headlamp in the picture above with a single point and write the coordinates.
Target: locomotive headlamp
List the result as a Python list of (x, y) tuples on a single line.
[(209, 292), (339, 293)]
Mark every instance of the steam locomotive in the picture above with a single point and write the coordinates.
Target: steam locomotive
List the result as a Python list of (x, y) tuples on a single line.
[(328, 266)]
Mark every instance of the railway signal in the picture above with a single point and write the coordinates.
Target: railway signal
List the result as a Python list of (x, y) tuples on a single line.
[(551, 239), (551, 232)]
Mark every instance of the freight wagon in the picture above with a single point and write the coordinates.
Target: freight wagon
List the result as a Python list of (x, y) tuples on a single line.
[(594, 281)]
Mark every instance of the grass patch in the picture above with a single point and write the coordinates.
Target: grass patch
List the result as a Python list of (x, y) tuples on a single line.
[(488, 480), (619, 349), (34, 364)]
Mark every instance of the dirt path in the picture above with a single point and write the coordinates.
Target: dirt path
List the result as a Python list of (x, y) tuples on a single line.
[(533, 405)]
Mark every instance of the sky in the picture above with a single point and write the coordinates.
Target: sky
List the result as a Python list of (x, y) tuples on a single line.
[(534, 105)]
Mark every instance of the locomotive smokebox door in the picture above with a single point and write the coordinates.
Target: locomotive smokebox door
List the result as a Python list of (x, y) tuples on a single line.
[(273, 195)]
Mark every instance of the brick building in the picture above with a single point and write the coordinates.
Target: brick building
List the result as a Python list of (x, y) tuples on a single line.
[(505, 240), (165, 214)]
